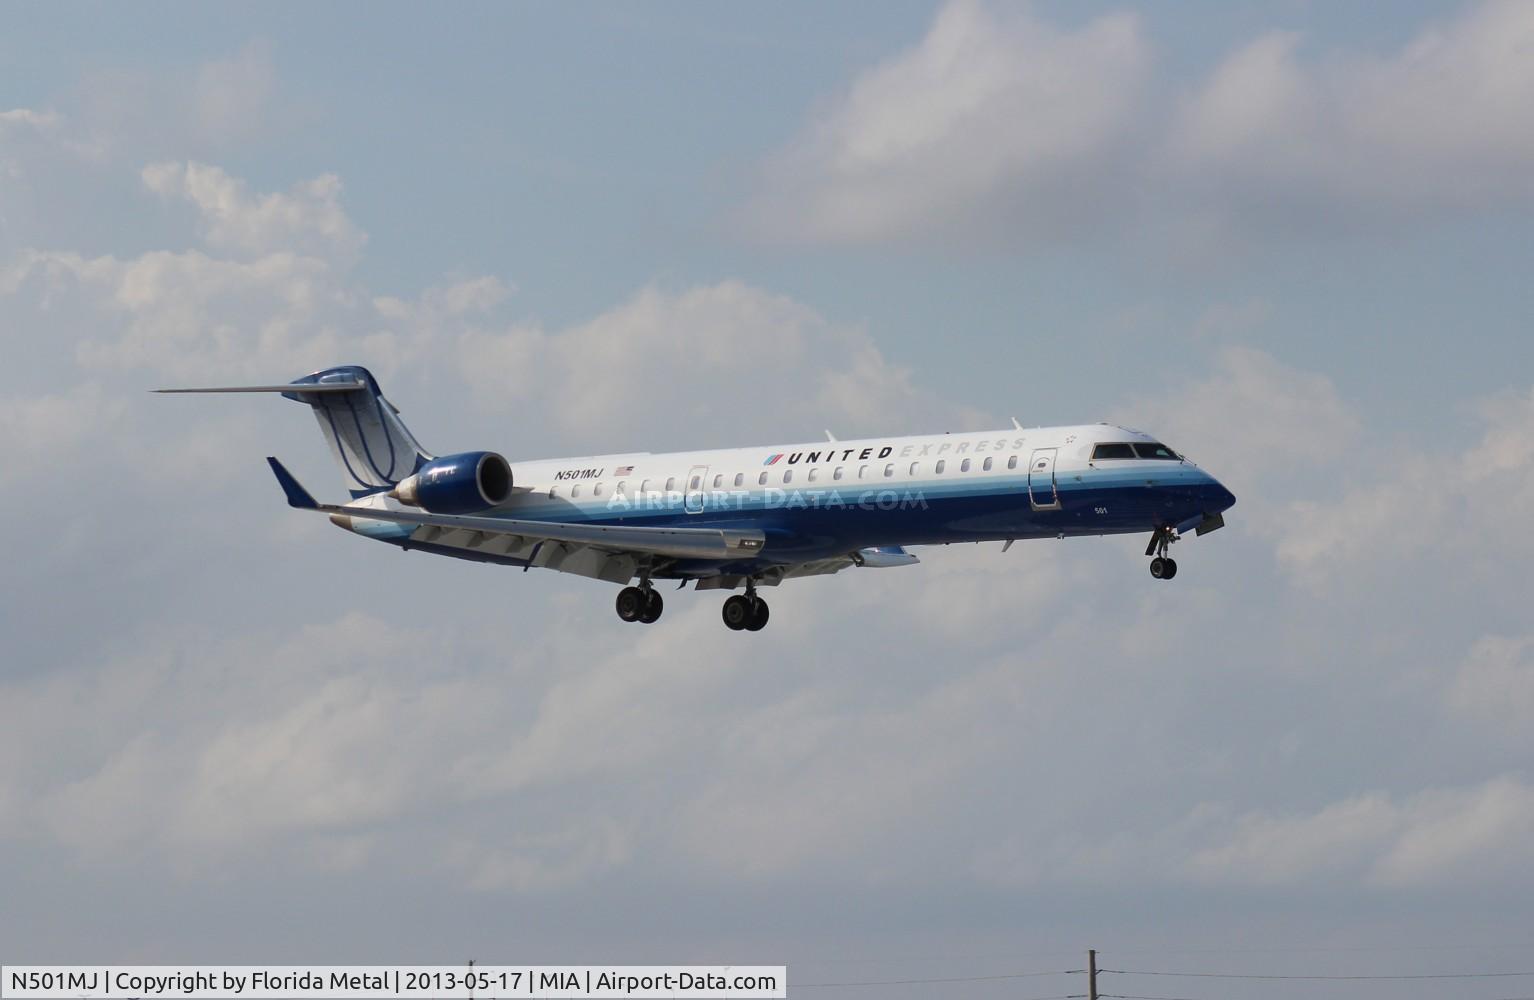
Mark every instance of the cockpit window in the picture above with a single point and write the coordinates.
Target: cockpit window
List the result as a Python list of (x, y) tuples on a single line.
[(1155, 450), (1114, 450)]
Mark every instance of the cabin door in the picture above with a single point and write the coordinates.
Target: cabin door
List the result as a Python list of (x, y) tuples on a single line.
[(1041, 480)]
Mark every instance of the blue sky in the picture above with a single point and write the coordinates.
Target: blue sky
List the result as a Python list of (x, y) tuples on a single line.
[(1290, 238)]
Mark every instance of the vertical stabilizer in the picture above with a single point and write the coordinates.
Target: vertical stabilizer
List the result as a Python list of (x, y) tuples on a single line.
[(368, 440)]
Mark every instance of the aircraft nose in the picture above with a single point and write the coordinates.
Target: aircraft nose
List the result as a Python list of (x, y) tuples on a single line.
[(1223, 498)]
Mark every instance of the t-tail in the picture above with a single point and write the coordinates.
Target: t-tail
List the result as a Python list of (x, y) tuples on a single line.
[(369, 441)]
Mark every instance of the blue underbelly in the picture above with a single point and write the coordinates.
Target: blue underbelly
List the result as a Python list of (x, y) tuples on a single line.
[(819, 524)]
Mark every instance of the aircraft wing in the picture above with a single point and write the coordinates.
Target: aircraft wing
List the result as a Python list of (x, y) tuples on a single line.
[(513, 537)]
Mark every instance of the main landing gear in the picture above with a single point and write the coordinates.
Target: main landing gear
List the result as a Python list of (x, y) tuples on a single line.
[(1163, 566), (745, 611), (640, 604)]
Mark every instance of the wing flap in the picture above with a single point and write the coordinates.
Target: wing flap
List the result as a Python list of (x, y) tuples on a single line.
[(682, 543)]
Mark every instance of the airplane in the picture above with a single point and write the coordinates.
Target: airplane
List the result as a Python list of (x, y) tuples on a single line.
[(742, 518)]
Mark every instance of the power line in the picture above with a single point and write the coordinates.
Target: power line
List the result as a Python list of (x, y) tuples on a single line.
[(1239, 975), (953, 979), (1010, 956), (1093, 970)]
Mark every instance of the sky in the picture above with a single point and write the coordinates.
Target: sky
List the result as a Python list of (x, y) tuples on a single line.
[(1291, 239)]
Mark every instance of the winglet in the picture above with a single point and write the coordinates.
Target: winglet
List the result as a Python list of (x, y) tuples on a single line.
[(297, 495)]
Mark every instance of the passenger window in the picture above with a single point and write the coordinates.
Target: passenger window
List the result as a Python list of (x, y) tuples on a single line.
[(941, 465), (697, 481), (987, 466), (1012, 462), (762, 479), (814, 474), (838, 473), (1114, 450), (862, 472), (740, 479), (788, 475), (646, 486), (889, 470), (670, 484), (964, 465), (914, 467), (620, 487), (718, 481), (596, 490), (575, 491), (553, 492)]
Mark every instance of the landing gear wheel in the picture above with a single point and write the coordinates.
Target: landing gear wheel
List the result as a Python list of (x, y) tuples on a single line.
[(758, 616), (654, 605), (630, 604), (737, 612), (1163, 566)]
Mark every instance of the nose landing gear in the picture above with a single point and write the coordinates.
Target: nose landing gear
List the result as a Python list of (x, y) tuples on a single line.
[(1163, 566)]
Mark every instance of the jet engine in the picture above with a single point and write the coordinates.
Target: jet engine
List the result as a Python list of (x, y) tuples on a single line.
[(457, 484)]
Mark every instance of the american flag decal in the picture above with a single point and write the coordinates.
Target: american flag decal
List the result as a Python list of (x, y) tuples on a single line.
[(624, 470), (773, 458)]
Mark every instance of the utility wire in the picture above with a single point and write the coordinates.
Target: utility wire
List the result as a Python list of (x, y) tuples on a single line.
[(906, 982), (954, 979), (1237, 975)]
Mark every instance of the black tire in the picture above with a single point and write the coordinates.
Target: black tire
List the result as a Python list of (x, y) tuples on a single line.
[(758, 616), (1158, 568), (630, 603), (736, 612), (654, 605), (1171, 569)]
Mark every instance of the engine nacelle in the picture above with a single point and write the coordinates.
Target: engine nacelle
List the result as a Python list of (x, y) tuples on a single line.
[(457, 484)]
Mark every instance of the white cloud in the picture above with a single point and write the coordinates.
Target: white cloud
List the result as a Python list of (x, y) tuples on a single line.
[(128, 111), (1409, 507), (1339, 840), (540, 862), (307, 219), (1479, 835), (993, 108), (27, 118), (232, 97), (192, 315), (829, 778), (998, 126), (1471, 836), (714, 348), (44, 425), (1482, 835), (1442, 122), (1251, 420), (1496, 682)]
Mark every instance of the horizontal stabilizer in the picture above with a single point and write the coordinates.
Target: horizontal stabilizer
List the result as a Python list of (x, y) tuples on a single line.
[(286, 387), (297, 495)]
